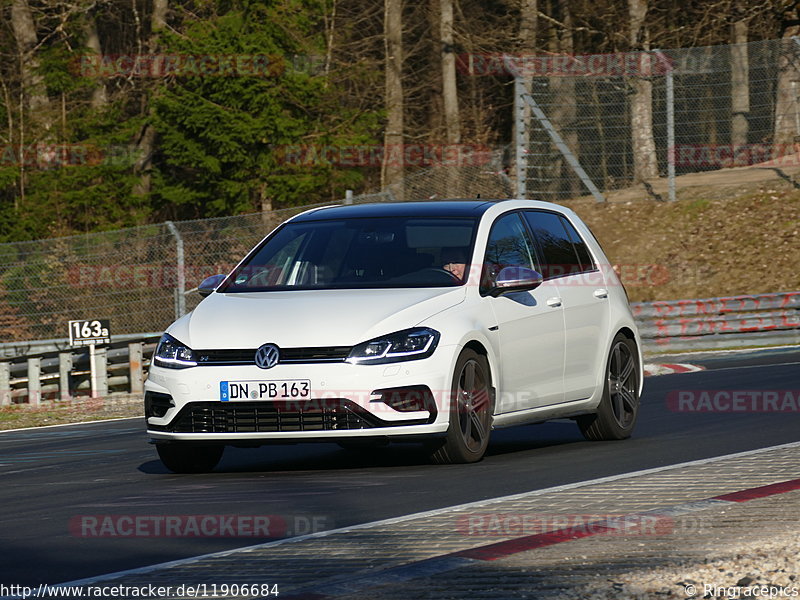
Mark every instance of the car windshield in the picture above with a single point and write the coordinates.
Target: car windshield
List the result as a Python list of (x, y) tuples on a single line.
[(385, 252)]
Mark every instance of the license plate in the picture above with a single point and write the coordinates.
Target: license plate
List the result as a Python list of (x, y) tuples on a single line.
[(277, 389)]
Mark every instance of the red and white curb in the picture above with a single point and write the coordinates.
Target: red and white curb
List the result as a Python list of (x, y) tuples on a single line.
[(651, 369), (496, 551)]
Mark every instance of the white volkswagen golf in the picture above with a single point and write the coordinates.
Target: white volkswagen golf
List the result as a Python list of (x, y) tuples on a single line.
[(422, 321)]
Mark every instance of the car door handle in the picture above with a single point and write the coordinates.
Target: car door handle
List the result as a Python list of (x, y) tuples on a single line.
[(601, 293), (554, 302)]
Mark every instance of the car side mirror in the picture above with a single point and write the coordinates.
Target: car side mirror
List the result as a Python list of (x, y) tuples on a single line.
[(209, 284), (515, 279)]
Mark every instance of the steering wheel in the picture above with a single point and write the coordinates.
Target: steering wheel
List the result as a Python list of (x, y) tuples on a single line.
[(439, 271)]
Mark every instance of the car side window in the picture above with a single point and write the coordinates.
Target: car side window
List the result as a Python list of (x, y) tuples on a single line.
[(559, 254), (509, 245), (587, 262)]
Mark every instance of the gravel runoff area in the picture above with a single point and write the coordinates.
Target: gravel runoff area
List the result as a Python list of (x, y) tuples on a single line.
[(759, 568), (78, 410)]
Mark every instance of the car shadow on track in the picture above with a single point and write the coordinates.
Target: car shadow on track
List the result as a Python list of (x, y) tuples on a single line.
[(505, 443)]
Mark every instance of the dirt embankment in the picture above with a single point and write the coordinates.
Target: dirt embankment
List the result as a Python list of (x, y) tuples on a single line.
[(721, 239)]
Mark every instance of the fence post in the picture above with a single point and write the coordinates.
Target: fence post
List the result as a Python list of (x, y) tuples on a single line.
[(180, 289), (34, 381), (670, 100), (101, 372), (671, 134), (135, 362), (520, 147), (64, 369), (348, 196), (519, 89), (5, 384)]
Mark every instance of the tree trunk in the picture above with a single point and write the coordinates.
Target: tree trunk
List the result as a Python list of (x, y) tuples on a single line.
[(452, 119), (159, 19), (449, 89), (264, 204), (565, 110), (22, 23), (528, 23), (645, 165), (146, 144), (787, 109), (392, 172), (740, 84), (99, 95), (436, 123)]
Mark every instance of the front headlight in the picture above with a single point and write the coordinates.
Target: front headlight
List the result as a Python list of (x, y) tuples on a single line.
[(409, 344), (172, 354)]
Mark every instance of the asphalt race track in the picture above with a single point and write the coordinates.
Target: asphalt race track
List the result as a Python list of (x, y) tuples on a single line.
[(52, 477)]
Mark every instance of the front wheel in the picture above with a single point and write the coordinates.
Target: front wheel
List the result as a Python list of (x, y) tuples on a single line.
[(189, 458), (471, 407), (616, 414)]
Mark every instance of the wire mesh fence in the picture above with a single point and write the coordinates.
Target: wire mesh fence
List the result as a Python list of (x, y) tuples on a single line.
[(131, 276), (730, 106)]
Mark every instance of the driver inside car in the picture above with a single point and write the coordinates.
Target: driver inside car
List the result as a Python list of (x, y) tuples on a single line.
[(454, 261)]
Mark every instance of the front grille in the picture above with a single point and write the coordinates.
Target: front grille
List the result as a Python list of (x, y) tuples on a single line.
[(310, 355), (287, 356), (225, 357), (269, 417)]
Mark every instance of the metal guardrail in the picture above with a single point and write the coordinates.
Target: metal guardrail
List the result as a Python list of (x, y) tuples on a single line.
[(715, 323), (65, 375), (677, 325)]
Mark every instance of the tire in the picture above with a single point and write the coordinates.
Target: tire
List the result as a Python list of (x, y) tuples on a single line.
[(471, 409), (189, 458), (616, 414)]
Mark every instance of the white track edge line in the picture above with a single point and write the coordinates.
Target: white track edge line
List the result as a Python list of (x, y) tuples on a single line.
[(430, 513), (2, 431), (763, 349)]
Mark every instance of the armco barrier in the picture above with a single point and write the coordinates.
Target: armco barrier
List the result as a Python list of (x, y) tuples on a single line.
[(715, 323), (57, 373), (65, 375)]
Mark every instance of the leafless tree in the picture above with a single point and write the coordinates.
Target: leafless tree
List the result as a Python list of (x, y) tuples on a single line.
[(645, 165), (393, 138), (787, 108), (32, 82), (146, 144)]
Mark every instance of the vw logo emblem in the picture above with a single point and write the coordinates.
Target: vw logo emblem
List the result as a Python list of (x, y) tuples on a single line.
[(267, 356)]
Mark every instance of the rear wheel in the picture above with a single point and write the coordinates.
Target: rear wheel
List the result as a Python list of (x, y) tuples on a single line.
[(471, 408), (189, 458), (616, 414)]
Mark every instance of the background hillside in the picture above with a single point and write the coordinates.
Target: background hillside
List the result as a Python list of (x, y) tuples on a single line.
[(91, 139)]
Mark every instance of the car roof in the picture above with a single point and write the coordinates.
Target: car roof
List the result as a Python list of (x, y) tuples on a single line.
[(439, 208)]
